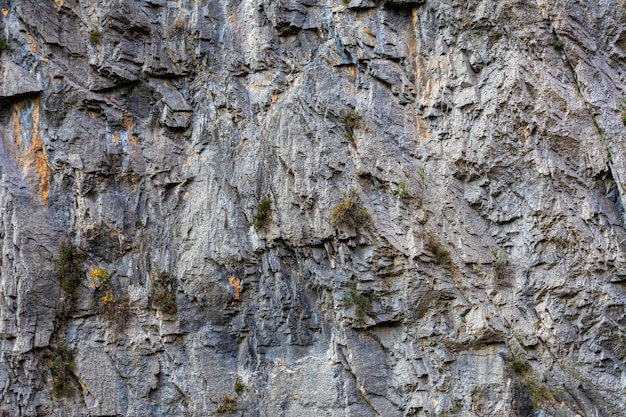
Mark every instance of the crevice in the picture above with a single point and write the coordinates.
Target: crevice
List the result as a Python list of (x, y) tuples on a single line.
[(358, 387)]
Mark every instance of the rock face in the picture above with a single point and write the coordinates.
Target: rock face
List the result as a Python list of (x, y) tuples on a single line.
[(298, 208)]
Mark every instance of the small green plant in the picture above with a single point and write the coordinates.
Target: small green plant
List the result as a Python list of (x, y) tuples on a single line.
[(351, 121), (95, 36), (70, 268), (138, 223), (402, 191), (62, 368), (345, 2), (597, 126), (349, 212), (361, 302), (615, 236), (455, 407), (3, 44), (118, 313), (539, 392), (500, 261), (557, 44), (421, 176), (100, 282), (100, 279), (114, 309), (520, 368), (500, 257), (226, 405), (603, 141), (609, 155), (422, 184), (163, 293), (263, 215), (239, 387)]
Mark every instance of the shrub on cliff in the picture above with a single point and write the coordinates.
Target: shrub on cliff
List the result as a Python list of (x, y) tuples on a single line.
[(349, 212), (70, 268), (263, 215), (95, 36), (163, 294), (62, 369)]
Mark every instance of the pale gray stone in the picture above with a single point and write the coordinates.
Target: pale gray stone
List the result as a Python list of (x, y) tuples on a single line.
[(479, 144)]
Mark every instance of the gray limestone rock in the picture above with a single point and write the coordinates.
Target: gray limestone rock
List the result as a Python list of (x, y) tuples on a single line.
[(16, 82), (299, 208)]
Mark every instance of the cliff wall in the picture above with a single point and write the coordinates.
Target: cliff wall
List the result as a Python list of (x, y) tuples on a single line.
[(299, 208)]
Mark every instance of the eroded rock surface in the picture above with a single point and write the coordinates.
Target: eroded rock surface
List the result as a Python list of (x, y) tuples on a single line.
[(300, 208)]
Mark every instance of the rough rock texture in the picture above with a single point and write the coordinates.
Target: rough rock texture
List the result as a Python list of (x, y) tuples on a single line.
[(445, 233)]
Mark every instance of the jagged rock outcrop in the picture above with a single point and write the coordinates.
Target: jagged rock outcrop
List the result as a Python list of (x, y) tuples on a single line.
[(295, 208)]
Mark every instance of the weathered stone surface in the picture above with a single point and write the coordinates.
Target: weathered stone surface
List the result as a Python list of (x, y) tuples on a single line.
[(446, 224), (16, 82), (176, 112)]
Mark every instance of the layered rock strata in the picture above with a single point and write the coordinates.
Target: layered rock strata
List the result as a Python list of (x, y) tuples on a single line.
[(300, 208)]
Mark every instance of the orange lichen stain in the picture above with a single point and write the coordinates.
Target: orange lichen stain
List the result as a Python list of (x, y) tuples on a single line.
[(33, 43), (59, 3), (423, 130), (235, 283), (352, 70), (115, 139), (41, 160), (194, 156), (367, 32), (127, 124), (31, 155), (5, 11)]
